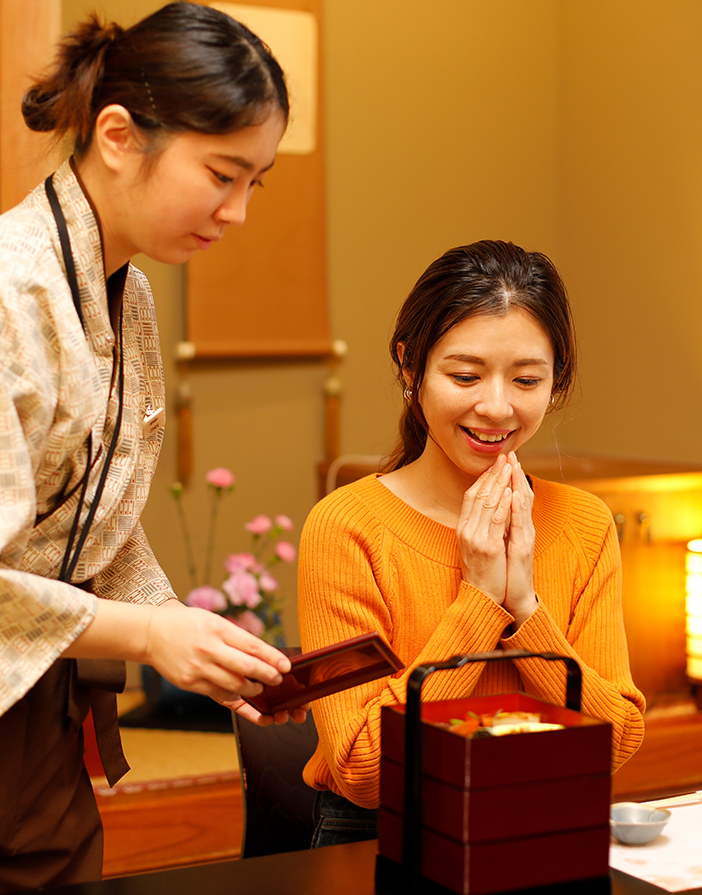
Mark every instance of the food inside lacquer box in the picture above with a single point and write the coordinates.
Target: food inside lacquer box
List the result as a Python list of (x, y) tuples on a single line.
[(499, 723)]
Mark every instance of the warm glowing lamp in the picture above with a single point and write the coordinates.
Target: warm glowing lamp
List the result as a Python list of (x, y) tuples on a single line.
[(693, 608)]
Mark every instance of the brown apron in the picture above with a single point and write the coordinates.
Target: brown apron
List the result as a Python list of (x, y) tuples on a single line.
[(50, 829)]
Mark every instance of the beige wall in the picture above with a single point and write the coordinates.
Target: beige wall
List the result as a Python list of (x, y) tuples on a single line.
[(568, 127), (442, 129), (631, 223)]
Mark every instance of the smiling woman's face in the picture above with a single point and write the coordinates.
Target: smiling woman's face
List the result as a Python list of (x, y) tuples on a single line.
[(486, 388)]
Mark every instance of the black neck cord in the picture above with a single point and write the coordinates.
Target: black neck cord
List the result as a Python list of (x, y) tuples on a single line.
[(70, 559)]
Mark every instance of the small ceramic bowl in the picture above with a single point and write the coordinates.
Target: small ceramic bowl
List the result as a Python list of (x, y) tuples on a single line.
[(635, 824)]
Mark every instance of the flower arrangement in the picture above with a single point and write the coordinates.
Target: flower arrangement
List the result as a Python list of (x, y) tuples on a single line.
[(248, 596)]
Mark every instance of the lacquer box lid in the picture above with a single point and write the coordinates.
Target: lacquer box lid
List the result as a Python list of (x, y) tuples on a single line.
[(492, 761)]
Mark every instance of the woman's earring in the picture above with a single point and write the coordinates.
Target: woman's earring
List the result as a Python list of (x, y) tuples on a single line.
[(407, 394), (552, 400)]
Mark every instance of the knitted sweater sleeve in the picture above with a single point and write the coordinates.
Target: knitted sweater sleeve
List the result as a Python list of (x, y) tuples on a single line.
[(344, 590), (594, 632)]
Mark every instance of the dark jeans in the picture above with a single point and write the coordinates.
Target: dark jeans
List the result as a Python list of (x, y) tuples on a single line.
[(340, 821)]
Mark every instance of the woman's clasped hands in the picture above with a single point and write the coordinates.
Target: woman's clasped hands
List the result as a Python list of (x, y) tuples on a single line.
[(496, 537)]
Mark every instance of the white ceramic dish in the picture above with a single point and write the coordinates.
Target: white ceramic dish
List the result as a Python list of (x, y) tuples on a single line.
[(635, 824)]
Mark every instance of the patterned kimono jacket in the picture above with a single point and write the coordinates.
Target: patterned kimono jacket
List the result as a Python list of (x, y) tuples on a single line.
[(56, 387)]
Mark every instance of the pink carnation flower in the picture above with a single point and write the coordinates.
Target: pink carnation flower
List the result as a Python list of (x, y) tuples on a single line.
[(206, 597), (250, 622), (285, 551), (242, 589), (240, 561), (267, 583), (284, 522), (221, 478), (259, 525)]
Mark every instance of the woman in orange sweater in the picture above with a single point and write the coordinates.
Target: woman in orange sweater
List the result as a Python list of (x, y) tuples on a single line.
[(455, 549)]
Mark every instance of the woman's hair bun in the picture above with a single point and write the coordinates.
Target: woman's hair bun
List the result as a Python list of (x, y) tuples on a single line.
[(62, 99), (186, 67)]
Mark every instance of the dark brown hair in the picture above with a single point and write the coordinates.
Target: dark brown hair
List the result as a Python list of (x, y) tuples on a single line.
[(485, 278), (186, 67)]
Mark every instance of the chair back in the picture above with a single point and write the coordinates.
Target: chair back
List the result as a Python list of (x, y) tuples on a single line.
[(278, 804), (343, 470)]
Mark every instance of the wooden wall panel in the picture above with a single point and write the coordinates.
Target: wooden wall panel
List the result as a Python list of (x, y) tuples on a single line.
[(262, 290)]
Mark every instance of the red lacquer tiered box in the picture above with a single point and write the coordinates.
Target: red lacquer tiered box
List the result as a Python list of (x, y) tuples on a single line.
[(495, 814)]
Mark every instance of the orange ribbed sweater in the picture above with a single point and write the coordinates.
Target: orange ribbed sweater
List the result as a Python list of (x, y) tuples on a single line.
[(370, 562)]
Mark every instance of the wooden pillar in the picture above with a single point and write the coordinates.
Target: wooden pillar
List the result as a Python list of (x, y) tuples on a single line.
[(29, 30)]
